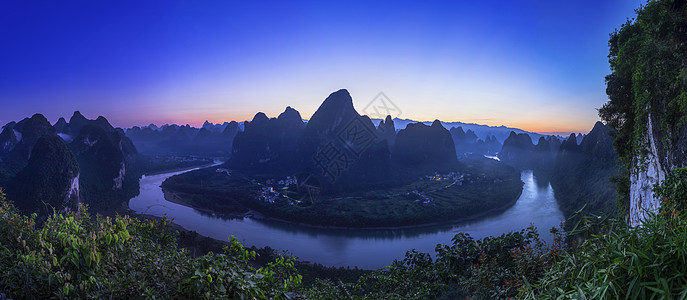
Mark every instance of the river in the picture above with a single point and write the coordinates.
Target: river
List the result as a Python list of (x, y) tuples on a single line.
[(367, 249)]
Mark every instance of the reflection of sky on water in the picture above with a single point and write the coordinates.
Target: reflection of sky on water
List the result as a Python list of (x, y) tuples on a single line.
[(362, 248)]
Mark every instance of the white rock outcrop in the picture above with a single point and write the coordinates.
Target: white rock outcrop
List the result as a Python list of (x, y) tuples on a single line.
[(643, 179), (119, 180), (73, 192)]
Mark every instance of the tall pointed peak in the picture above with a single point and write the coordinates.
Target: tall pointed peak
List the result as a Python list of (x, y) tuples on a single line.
[(77, 115), (104, 123), (60, 125), (570, 144), (598, 126), (388, 119), (260, 117), (387, 124), (336, 110), (290, 113), (39, 117), (340, 99)]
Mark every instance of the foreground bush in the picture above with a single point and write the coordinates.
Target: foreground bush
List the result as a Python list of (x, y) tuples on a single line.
[(491, 268), (645, 262), (73, 255), (613, 261)]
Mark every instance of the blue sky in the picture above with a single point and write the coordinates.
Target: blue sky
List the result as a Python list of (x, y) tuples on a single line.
[(535, 65)]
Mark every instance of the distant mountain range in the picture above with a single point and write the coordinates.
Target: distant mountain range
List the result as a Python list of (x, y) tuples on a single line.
[(482, 132), (83, 160), (209, 140), (217, 139), (338, 148)]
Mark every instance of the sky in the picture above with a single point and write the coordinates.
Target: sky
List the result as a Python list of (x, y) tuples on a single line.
[(533, 64)]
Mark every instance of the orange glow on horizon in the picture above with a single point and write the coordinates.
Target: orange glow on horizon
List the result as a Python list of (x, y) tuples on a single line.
[(219, 118)]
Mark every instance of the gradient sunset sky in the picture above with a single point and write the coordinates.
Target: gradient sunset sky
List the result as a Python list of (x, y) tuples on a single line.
[(537, 65)]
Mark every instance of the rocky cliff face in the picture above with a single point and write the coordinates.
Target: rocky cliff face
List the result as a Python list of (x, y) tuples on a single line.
[(106, 157), (101, 150), (8, 139), (648, 171), (50, 179), (31, 130), (37, 165), (646, 91), (17, 141)]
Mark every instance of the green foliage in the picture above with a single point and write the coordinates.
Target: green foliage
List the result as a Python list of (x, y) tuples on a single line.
[(583, 176), (644, 262), (491, 268), (45, 183), (73, 255), (313, 272), (620, 262), (583, 185), (673, 192), (647, 59), (379, 206), (613, 261)]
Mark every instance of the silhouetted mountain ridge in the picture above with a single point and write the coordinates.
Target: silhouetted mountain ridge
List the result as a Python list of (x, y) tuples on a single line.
[(36, 164), (582, 174)]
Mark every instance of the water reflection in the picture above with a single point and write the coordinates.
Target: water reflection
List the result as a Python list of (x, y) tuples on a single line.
[(368, 249)]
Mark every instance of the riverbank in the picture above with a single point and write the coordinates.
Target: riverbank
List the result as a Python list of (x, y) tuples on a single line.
[(185, 168), (482, 188), (369, 248), (458, 221), (183, 199)]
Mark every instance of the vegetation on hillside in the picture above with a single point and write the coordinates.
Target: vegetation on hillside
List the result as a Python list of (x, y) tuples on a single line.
[(582, 177), (73, 255), (647, 58), (437, 198), (613, 262)]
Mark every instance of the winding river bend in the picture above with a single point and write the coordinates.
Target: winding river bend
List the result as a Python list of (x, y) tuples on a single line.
[(367, 249)]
